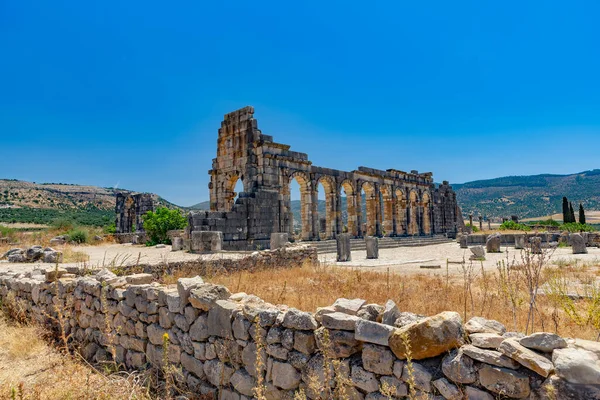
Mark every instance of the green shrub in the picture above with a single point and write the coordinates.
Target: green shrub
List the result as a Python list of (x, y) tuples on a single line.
[(110, 229), (473, 228), (514, 226), (63, 224), (577, 227), (158, 223), (78, 236), (5, 231)]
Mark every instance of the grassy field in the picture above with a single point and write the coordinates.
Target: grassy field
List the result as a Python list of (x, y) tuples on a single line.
[(31, 369), (502, 295)]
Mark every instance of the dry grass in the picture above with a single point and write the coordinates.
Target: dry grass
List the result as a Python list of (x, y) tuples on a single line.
[(30, 369), (309, 287)]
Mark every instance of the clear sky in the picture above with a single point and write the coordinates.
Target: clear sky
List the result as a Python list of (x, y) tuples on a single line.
[(131, 93)]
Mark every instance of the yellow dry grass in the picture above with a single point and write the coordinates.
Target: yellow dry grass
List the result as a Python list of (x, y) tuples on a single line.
[(30, 369), (308, 287)]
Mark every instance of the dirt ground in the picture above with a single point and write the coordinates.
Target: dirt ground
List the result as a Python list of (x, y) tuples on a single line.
[(401, 260), (116, 255)]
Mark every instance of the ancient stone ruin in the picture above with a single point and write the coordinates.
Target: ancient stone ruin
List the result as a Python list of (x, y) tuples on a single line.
[(397, 203), (129, 209)]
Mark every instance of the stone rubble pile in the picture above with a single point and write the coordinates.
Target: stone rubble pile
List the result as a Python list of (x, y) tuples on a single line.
[(216, 338), (33, 254)]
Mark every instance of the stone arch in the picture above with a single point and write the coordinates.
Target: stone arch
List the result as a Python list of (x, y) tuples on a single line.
[(305, 204), (371, 206), (413, 213), (400, 212), (387, 210), (351, 206), (328, 184), (228, 189), (426, 213)]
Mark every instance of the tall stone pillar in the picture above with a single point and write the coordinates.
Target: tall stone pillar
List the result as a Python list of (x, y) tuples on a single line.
[(338, 213), (378, 217), (359, 214), (394, 213), (314, 211)]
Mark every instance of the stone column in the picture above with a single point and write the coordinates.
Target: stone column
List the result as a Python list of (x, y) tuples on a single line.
[(338, 213), (314, 211), (480, 223), (378, 218), (394, 213), (343, 247), (358, 207), (372, 245)]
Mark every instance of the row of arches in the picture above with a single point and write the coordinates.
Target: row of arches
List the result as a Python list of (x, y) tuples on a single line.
[(370, 208)]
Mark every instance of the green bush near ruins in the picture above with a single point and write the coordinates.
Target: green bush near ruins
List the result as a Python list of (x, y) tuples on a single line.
[(159, 222), (514, 226)]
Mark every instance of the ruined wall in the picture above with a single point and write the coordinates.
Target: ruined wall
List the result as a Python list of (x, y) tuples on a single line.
[(216, 338), (129, 209), (398, 202)]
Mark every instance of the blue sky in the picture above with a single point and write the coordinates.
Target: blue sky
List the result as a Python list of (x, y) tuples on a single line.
[(132, 93)]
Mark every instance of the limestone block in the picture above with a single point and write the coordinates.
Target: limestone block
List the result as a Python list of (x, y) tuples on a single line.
[(372, 332), (193, 365), (348, 306), (243, 382), (473, 393), (338, 320), (478, 252), (296, 319), (219, 319), (491, 357), (578, 244), (486, 340), (304, 342), (543, 341), (458, 367), (372, 244), (504, 381), (480, 325), (177, 244), (364, 380), (278, 240), (527, 358), (341, 344), (577, 366), (421, 376), (429, 337), (464, 242), (285, 376), (343, 247), (536, 245), (519, 241), (493, 243), (390, 313), (448, 390), (377, 359), (205, 296)]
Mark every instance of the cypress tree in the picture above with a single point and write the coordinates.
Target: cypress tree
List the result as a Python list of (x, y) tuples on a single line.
[(581, 214), (571, 212), (565, 210)]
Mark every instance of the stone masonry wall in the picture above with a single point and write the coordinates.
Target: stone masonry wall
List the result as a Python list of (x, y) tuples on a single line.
[(285, 257), (216, 337)]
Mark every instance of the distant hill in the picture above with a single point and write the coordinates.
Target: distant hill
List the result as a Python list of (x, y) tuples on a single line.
[(42, 203), (529, 196)]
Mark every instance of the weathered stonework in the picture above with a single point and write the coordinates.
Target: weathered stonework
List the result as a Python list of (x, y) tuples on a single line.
[(129, 209), (214, 346), (397, 202)]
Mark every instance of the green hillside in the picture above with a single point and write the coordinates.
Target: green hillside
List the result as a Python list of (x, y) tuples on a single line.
[(529, 196)]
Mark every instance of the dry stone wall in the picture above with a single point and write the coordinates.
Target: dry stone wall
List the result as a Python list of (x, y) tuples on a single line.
[(216, 338), (282, 258)]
